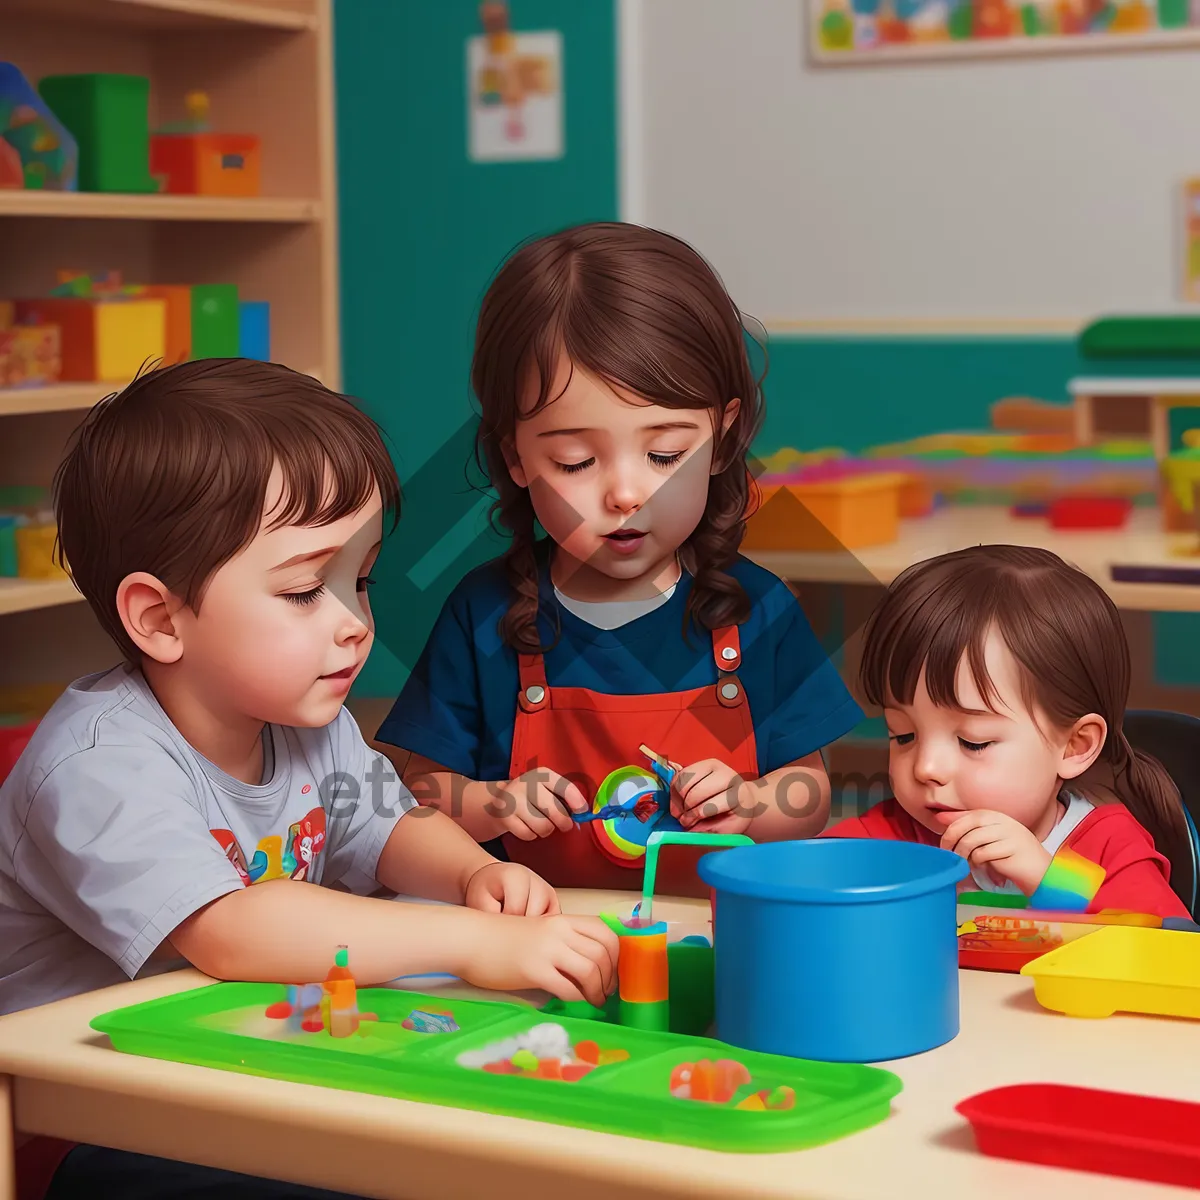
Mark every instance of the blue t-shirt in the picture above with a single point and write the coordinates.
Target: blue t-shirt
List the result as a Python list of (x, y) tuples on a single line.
[(459, 705)]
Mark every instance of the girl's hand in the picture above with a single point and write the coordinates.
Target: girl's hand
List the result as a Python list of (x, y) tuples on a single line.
[(536, 804), (572, 958), (511, 888), (711, 796), (999, 844)]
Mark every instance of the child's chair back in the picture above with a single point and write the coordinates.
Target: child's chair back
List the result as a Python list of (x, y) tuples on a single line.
[(1174, 739)]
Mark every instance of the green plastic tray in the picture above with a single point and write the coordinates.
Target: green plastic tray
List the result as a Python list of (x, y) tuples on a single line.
[(225, 1026)]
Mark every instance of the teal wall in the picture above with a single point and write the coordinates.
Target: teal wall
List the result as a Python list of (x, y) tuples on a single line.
[(422, 231), (857, 392)]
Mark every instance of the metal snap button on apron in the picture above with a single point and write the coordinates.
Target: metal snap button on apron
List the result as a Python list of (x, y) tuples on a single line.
[(729, 691), (729, 654), (535, 694)]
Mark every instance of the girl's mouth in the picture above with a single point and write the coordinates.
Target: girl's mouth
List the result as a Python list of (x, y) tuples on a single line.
[(625, 541)]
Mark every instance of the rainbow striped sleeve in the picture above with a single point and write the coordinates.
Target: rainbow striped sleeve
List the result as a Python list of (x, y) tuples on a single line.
[(1069, 885)]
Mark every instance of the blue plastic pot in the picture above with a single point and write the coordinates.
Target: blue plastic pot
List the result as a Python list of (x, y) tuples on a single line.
[(836, 949)]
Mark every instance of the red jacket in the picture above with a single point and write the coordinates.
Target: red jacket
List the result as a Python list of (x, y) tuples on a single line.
[(1137, 876)]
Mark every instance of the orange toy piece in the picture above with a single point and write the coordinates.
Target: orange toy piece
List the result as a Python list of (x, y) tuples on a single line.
[(828, 515), (588, 1052), (207, 164), (642, 969)]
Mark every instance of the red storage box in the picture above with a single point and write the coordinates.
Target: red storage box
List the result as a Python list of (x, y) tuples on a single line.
[(1085, 1129)]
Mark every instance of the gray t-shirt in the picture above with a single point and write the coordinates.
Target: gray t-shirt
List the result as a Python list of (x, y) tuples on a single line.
[(113, 830)]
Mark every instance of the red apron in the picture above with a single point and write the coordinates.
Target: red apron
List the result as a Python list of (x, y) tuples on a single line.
[(585, 735)]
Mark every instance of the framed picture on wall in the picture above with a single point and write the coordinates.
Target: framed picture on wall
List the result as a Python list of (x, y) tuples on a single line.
[(514, 92), (864, 31)]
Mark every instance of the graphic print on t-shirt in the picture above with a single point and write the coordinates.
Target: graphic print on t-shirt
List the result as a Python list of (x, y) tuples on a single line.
[(274, 857)]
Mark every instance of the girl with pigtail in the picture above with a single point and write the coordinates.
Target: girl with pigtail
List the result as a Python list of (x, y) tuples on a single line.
[(1003, 674), (618, 408)]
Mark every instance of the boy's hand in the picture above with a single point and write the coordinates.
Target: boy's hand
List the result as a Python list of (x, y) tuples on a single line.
[(511, 888), (711, 794), (536, 804), (572, 958), (998, 843)]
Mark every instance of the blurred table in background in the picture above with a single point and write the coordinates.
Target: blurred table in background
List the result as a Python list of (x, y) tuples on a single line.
[(1141, 542)]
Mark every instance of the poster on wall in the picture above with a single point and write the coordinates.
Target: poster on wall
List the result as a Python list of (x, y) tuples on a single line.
[(1191, 240), (514, 91), (858, 31)]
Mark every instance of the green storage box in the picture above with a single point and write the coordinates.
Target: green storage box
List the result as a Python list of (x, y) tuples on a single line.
[(216, 321), (109, 117)]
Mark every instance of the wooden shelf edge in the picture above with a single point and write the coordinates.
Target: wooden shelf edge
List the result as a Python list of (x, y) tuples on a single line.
[(17, 202), (239, 12), (26, 595), (53, 397)]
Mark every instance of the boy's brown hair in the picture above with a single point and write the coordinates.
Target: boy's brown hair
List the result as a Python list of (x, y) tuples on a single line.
[(169, 476)]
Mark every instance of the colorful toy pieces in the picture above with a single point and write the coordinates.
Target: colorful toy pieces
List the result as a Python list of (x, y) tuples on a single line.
[(543, 1052), (726, 1081), (332, 1005)]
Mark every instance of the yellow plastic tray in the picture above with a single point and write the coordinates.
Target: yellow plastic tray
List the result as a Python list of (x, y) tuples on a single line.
[(1121, 968)]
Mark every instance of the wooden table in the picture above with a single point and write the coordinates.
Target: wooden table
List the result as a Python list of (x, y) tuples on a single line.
[(1141, 542), (65, 1080)]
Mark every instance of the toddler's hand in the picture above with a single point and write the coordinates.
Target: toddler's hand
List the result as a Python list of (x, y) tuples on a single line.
[(712, 796), (572, 958), (998, 843), (511, 888), (536, 804)]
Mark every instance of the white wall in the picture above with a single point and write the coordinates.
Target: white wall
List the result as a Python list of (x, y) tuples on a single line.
[(1007, 188)]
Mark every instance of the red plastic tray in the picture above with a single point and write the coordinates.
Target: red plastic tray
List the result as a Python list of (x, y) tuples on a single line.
[(1108, 1133)]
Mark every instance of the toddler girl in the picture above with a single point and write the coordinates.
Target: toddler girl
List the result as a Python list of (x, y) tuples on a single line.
[(1003, 675), (618, 407)]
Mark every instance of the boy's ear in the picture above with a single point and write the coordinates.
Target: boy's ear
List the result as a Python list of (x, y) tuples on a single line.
[(519, 476), (1083, 747), (146, 607)]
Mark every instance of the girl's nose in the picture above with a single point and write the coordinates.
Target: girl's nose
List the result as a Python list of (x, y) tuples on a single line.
[(625, 495), (930, 766)]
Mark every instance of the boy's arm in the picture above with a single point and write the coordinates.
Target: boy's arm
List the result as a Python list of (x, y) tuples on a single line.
[(428, 855), (287, 931)]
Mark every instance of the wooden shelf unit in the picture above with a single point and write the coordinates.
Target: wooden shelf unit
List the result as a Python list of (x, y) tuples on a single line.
[(267, 67)]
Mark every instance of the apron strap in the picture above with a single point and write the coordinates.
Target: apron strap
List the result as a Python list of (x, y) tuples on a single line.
[(727, 654), (534, 694)]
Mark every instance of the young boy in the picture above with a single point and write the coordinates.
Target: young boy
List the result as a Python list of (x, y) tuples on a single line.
[(221, 517)]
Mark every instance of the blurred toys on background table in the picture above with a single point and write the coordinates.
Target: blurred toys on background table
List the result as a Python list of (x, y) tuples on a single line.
[(36, 149), (108, 115), (1089, 512), (828, 508), (190, 159)]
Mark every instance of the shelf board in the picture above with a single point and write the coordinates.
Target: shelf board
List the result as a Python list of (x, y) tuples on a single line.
[(166, 15), (54, 397), (23, 595), (1011, 47), (123, 206)]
